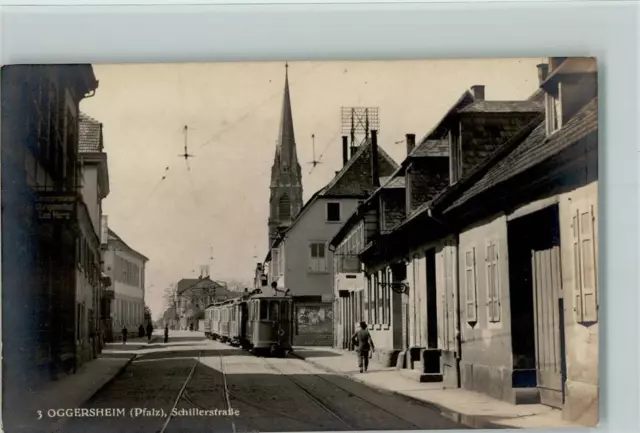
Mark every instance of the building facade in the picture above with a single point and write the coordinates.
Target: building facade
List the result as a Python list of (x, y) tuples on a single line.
[(285, 201), (300, 259), (501, 269), (126, 270), (90, 283), (192, 297), (40, 224)]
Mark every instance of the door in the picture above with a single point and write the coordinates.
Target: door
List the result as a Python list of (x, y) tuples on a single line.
[(549, 323)]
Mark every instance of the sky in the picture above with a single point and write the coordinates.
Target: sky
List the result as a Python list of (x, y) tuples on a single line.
[(215, 212)]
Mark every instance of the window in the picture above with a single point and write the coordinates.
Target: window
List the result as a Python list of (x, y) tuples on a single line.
[(274, 310), (470, 285), (284, 208), (333, 212), (585, 272), (493, 281), (553, 110), (285, 310), (317, 259), (264, 310)]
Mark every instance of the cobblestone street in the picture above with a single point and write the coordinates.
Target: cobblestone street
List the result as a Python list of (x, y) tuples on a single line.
[(190, 373)]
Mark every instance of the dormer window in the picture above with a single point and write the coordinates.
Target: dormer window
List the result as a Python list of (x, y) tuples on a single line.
[(554, 110)]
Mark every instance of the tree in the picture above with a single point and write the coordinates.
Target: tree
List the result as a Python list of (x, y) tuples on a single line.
[(238, 285), (169, 296)]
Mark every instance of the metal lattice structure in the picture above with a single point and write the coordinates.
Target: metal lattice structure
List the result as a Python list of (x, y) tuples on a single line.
[(357, 122)]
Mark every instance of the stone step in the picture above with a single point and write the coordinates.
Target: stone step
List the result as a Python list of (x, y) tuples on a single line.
[(420, 377)]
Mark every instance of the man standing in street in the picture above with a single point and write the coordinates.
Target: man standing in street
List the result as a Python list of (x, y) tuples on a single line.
[(166, 333), (362, 340), (125, 331), (149, 331)]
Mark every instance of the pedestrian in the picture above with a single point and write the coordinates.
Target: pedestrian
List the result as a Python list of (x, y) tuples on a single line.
[(124, 334), (362, 339), (166, 333), (149, 331), (141, 331)]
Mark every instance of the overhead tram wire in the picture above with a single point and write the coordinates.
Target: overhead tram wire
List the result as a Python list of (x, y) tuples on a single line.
[(325, 149), (255, 108)]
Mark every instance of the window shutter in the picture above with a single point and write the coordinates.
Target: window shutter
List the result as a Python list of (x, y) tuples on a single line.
[(577, 268), (489, 277), (588, 266), (470, 284), (451, 297), (442, 332), (497, 307)]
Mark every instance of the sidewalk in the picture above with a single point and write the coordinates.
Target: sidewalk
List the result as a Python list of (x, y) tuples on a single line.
[(472, 409), (74, 390)]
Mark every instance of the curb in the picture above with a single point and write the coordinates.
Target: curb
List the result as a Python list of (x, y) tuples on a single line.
[(457, 417), (57, 427)]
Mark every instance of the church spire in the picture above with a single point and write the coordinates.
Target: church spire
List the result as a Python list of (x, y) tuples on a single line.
[(286, 137), (286, 175)]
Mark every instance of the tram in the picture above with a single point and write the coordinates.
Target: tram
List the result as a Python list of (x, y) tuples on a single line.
[(256, 322)]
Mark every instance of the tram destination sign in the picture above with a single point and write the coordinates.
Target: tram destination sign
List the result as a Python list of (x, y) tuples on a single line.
[(56, 207)]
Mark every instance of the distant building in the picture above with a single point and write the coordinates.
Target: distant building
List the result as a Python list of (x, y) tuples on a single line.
[(126, 269), (194, 294), (40, 208)]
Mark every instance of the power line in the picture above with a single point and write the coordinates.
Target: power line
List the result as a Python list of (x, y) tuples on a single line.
[(255, 109)]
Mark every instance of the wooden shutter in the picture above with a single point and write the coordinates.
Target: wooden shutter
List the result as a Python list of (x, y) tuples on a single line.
[(440, 287), (452, 310), (493, 281), (577, 268), (585, 265), (470, 284)]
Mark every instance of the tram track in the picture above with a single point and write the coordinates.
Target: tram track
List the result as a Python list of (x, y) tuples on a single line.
[(312, 397), (361, 398), (180, 393)]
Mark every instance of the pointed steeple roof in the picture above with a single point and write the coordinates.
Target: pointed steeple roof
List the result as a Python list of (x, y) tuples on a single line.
[(286, 138)]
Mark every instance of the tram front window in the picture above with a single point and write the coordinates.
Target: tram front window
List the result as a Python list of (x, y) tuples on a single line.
[(274, 310), (264, 310), (285, 309)]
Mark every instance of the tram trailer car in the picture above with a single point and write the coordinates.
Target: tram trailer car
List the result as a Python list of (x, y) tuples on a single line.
[(208, 318)]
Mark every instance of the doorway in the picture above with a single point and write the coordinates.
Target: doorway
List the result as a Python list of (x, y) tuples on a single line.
[(432, 300), (537, 303)]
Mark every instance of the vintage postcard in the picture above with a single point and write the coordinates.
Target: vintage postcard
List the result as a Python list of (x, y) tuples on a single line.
[(300, 246)]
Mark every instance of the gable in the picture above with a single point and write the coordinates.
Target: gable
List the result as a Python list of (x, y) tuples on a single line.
[(355, 178)]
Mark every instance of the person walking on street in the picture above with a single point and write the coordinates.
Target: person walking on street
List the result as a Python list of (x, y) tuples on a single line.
[(124, 334), (141, 331), (166, 333), (362, 339), (149, 331)]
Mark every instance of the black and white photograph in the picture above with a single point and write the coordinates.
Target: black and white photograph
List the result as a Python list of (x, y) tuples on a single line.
[(300, 246)]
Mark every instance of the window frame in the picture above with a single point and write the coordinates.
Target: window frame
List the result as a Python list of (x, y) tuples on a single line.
[(317, 264), (327, 213)]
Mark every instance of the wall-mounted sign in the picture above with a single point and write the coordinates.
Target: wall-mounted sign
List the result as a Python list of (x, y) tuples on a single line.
[(56, 207)]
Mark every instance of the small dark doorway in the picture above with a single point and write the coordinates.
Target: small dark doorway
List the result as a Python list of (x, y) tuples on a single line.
[(432, 301), (536, 299)]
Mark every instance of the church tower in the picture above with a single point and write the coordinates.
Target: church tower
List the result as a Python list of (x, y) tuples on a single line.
[(286, 177)]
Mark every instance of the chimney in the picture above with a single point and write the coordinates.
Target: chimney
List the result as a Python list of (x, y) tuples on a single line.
[(543, 72), (411, 142), (478, 92), (375, 169), (345, 150)]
